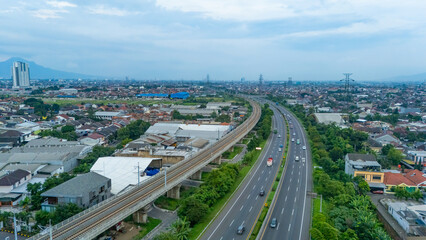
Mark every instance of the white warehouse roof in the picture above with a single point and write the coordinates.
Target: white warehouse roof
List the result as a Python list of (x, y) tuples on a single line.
[(123, 171)]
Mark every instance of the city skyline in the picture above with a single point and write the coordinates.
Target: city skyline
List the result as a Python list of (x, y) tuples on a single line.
[(161, 39)]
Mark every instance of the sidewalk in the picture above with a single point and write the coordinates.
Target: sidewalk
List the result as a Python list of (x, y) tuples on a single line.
[(391, 225), (166, 217)]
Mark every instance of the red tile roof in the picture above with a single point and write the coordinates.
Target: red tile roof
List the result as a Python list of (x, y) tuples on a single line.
[(397, 179), (415, 176)]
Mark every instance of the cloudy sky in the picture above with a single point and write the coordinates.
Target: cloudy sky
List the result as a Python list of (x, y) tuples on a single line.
[(186, 39)]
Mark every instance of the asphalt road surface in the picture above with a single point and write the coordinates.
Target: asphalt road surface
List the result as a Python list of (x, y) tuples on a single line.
[(292, 208), (244, 207)]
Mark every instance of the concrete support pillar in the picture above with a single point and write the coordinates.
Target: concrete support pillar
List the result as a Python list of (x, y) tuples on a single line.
[(218, 160), (197, 175), (231, 149), (174, 192), (140, 216)]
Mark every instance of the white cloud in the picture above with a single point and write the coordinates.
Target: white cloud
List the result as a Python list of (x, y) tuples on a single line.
[(48, 13), (111, 11), (60, 4)]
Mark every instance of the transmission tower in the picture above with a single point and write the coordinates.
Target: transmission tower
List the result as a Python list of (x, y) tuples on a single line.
[(347, 81)]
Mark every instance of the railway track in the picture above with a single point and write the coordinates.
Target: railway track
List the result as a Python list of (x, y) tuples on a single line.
[(78, 226)]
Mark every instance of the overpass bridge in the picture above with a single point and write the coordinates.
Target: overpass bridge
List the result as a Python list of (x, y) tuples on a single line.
[(99, 218)]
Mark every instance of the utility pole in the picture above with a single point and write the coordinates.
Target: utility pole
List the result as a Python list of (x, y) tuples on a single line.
[(14, 226)]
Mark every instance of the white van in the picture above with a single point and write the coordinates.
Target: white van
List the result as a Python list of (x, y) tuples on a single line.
[(297, 158)]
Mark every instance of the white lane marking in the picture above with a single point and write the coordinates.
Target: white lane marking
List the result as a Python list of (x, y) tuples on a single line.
[(269, 171), (266, 179), (257, 196), (248, 196), (282, 211), (298, 180), (285, 199), (241, 208), (231, 222), (291, 179), (299, 172), (250, 208), (288, 189), (278, 226), (295, 199), (235, 202), (259, 178), (297, 189), (254, 187), (263, 171), (289, 226), (221, 238), (292, 212)]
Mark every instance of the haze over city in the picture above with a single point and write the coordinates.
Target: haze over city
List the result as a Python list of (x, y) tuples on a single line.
[(308, 40)]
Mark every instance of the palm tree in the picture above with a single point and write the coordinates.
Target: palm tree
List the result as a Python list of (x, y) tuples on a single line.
[(181, 229)]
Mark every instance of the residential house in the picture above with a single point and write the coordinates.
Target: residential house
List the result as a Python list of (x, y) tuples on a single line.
[(12, 136), (13, 180), (394, 180), (85, 190), (366, 167)]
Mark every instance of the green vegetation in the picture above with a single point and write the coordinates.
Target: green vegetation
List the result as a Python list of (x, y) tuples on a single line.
[(231, 155), (179, 230), (87, 162), (147, 227), (36, 189), (167, 203), (401, 192), (133, 131), (350, 214), (40, 108), (61, 213), (66, 132)]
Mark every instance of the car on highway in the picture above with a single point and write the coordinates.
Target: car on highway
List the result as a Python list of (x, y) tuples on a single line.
[(279, 136), (297, 158), (298, 141), (294, 134), (279, 149), (262, 193), (292, 139), (240, 230), (273, 223), (304, 147), (303, 160)]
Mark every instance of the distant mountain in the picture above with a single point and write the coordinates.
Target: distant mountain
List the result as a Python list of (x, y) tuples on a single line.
[(38, 72), (421, 77)]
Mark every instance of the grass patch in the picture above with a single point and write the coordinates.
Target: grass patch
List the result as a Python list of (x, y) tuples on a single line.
[(147, 227), (167, 203), (231, 155), (64, 102)]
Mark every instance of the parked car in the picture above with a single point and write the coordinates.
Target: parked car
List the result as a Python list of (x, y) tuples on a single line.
[(240, 230), (273, 223), (378, 192)]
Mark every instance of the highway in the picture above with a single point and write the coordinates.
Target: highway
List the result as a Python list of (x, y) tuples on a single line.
[(245, 205), (292, 207), (95, 220)]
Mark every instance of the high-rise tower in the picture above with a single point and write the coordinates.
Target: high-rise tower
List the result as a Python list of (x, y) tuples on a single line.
[(20, 74)]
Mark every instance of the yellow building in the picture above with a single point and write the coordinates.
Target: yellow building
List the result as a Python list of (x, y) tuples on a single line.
[(370, 177)]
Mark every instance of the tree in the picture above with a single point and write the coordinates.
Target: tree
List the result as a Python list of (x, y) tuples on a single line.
[(386, 148), (193, 209), (363, 187), (394, 156), (166, 236), (223, 118), (416, 195), (67, 128), (349, 234), (63, 212), (181, 229)]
